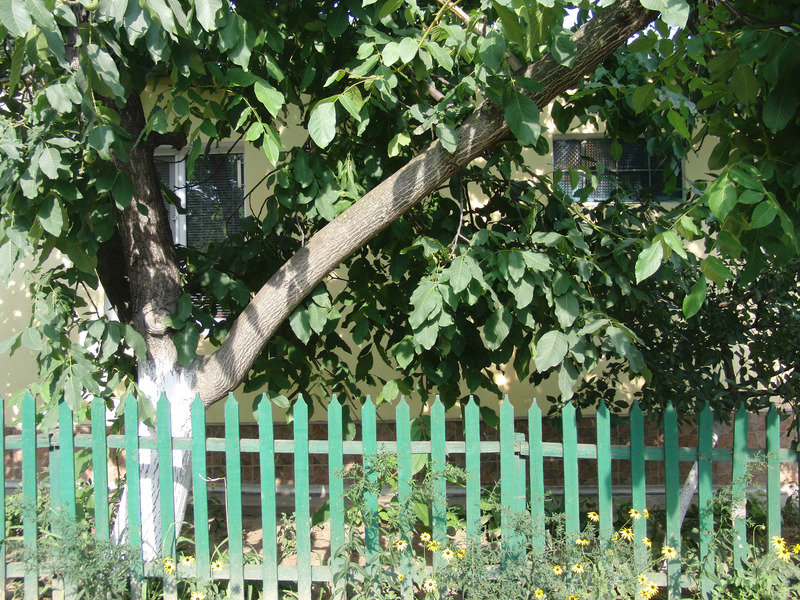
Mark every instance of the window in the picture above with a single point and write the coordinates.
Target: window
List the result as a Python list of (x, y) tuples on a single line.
[(636, 169), (211, 202)]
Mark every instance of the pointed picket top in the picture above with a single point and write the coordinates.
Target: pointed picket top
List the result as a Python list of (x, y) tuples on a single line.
[(368, 406), (162, 409), (402, 404), (506, 408), (197, 406), (535, 411), (636, 409), (334, 401)]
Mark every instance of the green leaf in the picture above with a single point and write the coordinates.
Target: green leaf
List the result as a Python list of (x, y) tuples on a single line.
[(106, 69), (51, 215), (674, 243), (390, 53), (338, 20), (352, 101), (50, 162), (427, 302), (389, 7), (564, 50), (694, 300), (715, 270), (448, 136), (404, 352), (14, 15), (522, 116), (744, 84), (721, 197), (322, 123), (101, 139), (510, 22), (300, 323), (206, 13), (649, 261), (398, 142), (73, 393), (643, 96), (567, 309), (679, 123), (497, 328), (270, 98), (407, 50), (780, 107), (763, 214), (186, 340), (550, 350), (674, 13), (491, 49)]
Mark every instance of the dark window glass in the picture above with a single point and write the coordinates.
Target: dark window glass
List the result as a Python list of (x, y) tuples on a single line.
[(214, 199), (636, 169)]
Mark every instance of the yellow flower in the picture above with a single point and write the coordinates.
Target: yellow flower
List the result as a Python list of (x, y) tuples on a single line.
[(651, 591), (778, 542), (216, 566), (614, 537), (578, 568), (169, 566), (593, 516), (425, 537), (634, 514), (581, 542), (433, 546), (643, 580), (448, 554), (573, 597), (401, 545), (646, 513), (187, 561), (669, 552), (646, 541), (461, 553), (626, 533), (400, 577), (558, 570), (197, 596), (796, 549), (429, 586), (538, 594), (784, 554)]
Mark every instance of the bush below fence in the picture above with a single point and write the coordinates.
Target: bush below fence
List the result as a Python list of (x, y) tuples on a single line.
[(521, 482)]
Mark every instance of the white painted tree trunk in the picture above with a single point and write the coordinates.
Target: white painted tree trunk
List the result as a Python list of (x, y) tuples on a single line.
[(689, 488), (176, 384)]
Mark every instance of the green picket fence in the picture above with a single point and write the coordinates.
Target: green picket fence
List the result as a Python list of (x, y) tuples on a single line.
[(521, 481)]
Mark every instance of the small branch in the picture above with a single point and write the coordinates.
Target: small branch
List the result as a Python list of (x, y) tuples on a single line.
[(174, 139)]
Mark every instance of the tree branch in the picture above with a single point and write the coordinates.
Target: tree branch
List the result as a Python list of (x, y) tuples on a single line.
[(218, 373)]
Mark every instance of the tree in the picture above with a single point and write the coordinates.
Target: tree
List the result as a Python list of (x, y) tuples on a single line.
[(399, 99)]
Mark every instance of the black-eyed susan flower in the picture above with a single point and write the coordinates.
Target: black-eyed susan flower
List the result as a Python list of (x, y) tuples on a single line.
[(433, 546), (581, 542), (647, 542), (778, 542), (197, 596), (400, 577), (538, 594), (448, 554), (429, 585), (669, 552), (169, 566), (593, 516), (634, 514), (572, 597), (558, 570), (626, 533), (424, 537), (784, 554), (461, 552), (578, 568), (216, 566), (401, 545), (187, 561), (796, 548)]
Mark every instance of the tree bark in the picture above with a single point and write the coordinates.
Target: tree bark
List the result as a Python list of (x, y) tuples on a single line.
[(221, 372)]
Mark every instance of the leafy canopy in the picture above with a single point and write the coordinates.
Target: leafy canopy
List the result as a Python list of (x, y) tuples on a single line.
[(530, 275)]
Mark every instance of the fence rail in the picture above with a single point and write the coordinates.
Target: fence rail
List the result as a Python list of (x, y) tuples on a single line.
[(522, 484)]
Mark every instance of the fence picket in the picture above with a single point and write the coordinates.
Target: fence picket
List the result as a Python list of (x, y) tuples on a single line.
[(404, 477), (536, 468), (773, 432), (472, 435), (100, 469), (166, 492), (672, 474), (301, 505), (3, 529), (269, 525), (571, 487), (438, 464), (132, 473), (202, 543), (638, 482), (739, 485), (604, 502), (512, 546), (233, 497), (369, 441), (29, 516), (705, 492)]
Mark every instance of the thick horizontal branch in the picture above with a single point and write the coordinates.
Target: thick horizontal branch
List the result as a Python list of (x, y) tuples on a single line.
[(223, 371)]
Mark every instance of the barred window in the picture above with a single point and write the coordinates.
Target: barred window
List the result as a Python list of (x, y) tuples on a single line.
[(636, 170), (212, 202)]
